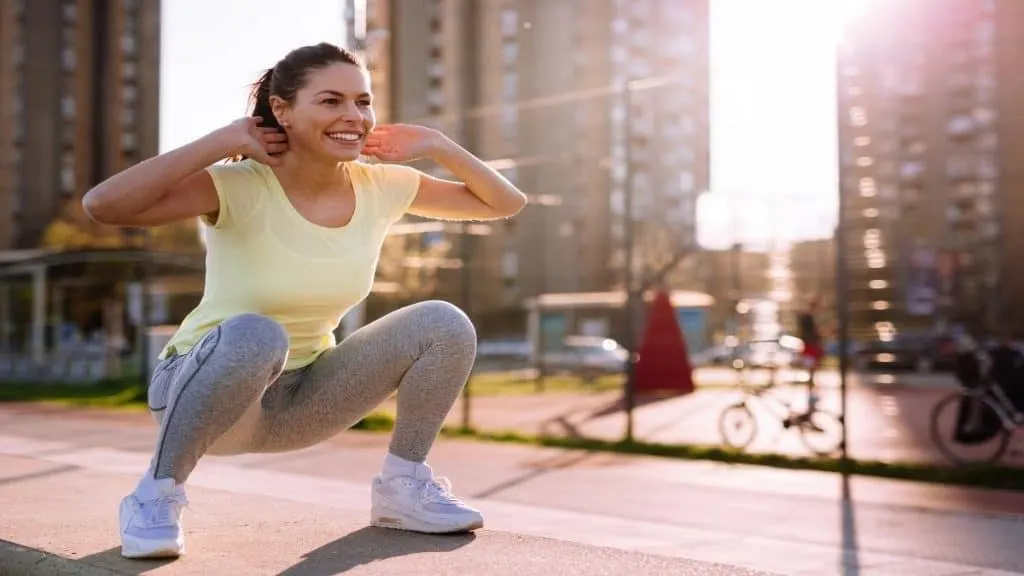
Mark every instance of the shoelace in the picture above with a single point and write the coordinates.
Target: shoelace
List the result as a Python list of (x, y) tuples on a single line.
[(163, 510), (439, 490)]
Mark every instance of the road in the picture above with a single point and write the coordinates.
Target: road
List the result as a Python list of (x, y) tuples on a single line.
[(777, 521)]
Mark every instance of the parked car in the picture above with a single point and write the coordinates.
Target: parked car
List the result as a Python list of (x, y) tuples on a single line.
[(588, 357), (923, 353)]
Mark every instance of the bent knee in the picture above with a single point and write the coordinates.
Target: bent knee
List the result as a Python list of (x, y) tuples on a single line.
[(257, 338), (448, 324)]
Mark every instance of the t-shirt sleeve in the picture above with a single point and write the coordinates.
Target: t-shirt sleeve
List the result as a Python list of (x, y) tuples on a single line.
[(398, 186), (239, 188)]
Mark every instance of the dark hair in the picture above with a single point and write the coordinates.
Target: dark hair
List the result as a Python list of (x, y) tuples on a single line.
[(290, 74)]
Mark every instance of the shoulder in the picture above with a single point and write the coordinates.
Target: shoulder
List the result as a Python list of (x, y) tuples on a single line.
[(385, 177), (393, 187), (241, 187), (244, 172)]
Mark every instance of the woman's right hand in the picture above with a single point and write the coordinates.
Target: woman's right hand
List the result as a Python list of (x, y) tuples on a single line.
[(248, 138)]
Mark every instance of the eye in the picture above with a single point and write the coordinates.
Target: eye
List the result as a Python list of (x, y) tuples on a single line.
[(365, 103), (332, 101)]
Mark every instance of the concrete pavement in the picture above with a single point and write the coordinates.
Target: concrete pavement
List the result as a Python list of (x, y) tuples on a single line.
[(63, 471), (61, 521)]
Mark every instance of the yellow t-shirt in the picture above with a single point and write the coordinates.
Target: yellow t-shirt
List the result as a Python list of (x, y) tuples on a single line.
[(264, 257)]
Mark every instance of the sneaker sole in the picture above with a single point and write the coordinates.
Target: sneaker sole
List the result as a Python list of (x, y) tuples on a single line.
[(398, 521), (135, 548), (151, 550)]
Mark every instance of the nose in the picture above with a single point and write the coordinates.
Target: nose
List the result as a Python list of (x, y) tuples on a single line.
[(351, 113)]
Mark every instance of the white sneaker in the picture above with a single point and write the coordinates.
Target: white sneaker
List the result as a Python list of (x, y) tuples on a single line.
[(420, 503), (151, 520)]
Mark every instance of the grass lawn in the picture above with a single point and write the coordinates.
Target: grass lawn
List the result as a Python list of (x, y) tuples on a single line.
[(123, 393), (501, 383)]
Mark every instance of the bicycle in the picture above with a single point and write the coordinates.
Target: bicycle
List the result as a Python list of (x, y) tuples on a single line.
[(820, 430), (985, 403)]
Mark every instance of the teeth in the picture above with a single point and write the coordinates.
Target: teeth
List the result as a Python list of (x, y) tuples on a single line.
[(345, 136)]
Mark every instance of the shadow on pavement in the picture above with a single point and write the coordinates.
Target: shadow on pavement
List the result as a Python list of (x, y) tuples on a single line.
[(40, 474), (111, 559), (563, 463), (368, 545), (619, 405), (850, 554)]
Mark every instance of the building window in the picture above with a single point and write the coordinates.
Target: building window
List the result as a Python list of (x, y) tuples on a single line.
[(868, 188), (509, 21), (70, 10), (865, 161), (912, 170), (510, 53), (870, 213), (128, 45), (862, 141), (510, 264), (128, 141), (67, 172), (509, 123), (858, 116), (872, 238), (510, 86), (68, 58), (984, 115)]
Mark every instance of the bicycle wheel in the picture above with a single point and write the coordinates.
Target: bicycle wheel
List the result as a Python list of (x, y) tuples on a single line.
[(737, 426), (946, 420), (821, 432)]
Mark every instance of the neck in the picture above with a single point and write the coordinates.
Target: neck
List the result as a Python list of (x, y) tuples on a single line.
[(311, 175)]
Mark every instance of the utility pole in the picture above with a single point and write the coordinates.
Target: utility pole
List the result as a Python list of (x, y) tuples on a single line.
[(466, 252), (842, 307), (630, 336)]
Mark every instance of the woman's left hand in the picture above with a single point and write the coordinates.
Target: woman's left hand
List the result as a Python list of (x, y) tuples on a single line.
[(401, 142)]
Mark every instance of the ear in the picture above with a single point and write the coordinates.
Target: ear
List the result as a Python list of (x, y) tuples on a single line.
[(279, 106)]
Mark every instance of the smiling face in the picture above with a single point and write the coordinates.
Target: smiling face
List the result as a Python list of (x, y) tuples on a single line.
[(331, 113)]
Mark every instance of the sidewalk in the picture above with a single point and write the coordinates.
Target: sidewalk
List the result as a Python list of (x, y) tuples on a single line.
[(63, 471), (49, 528), (889, 423)]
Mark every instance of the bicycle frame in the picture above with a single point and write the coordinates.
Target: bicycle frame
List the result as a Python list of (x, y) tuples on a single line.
[(766, 395), (994, 396)]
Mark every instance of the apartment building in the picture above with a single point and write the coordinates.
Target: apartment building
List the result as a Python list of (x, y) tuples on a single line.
[(931, 124), (79, 85), (536, 87)]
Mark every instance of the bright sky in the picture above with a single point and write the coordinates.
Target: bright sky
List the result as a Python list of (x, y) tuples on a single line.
[(213, 50), (773, 117)]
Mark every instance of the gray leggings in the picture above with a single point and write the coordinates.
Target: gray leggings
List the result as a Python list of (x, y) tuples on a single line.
[(228, 394)]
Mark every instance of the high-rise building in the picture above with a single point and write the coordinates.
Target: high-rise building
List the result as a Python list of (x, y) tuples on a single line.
[(931, 123), (536, 88), (79, 88)]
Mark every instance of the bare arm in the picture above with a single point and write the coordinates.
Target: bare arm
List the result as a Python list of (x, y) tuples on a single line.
[(481, 193), (174, 185)]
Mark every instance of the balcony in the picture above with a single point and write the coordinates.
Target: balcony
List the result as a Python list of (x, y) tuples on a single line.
[(961, 127)]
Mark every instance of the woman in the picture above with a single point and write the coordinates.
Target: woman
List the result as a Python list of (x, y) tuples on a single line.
[(294, 231)]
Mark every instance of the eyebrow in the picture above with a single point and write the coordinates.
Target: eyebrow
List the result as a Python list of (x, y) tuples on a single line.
[(339, 94)]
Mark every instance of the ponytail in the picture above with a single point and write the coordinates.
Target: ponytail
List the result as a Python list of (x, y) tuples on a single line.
[(259, 105), (259, 100)]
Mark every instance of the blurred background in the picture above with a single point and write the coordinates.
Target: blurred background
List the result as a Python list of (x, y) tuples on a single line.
[(742, 157)]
